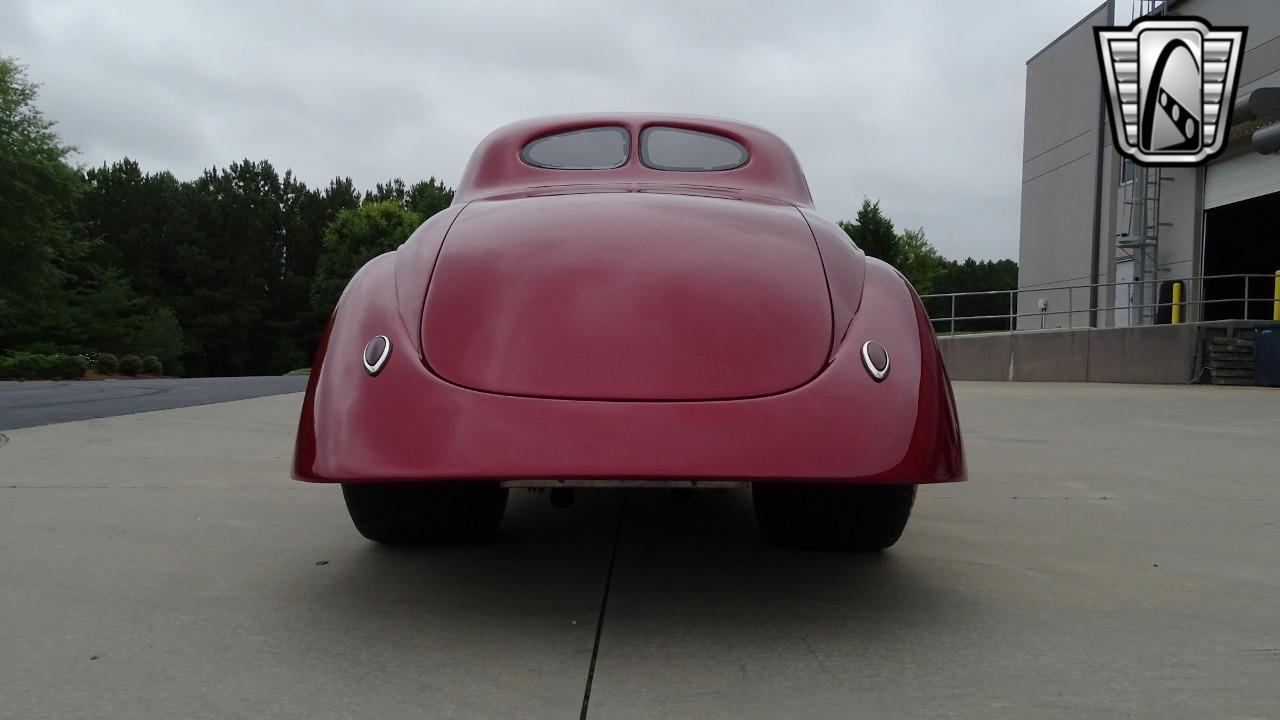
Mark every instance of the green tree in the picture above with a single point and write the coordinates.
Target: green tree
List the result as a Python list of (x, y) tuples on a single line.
[(98, 306), (341, 195), (135, 223), (975, 276), (354, 238), (37, 191), (231, 269), (425, 197), (428, 197), (157, 332), (918, 260), (393, 190), (143, 235), (306, 214), (873, 233), (915, 257)]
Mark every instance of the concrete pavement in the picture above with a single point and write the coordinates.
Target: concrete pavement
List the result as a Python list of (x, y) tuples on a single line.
[(1113, 555)]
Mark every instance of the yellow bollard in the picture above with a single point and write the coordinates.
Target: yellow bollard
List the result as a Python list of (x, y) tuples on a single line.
[(1275, 304), (1177, 302)]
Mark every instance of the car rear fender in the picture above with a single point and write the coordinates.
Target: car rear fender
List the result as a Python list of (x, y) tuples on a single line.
[(367, 308), (890, 313)]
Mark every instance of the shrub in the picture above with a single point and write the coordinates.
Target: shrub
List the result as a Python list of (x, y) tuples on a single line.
[(69, 367), (106, 363), (20, 366), (151, 365), (131, 365), (35, 366)]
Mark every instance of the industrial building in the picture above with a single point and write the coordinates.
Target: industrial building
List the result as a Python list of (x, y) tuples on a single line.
[(1095, 226)]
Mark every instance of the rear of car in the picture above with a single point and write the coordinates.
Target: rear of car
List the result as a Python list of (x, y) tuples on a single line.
[(622, 300)]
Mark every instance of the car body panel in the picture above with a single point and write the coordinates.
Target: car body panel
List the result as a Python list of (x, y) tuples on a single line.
[(785, 307), (409, 424), (628, 296)]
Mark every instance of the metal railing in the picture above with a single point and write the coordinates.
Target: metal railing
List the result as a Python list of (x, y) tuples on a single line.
[(1188, 299)]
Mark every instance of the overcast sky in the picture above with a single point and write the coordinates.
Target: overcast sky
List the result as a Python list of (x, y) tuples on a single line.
[(917, 104)]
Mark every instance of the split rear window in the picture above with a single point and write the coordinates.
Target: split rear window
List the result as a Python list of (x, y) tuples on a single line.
[(661, 148), (668, 148), (598, 148)]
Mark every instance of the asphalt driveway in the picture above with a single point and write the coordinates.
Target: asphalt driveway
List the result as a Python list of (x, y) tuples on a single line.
[(42, 402)]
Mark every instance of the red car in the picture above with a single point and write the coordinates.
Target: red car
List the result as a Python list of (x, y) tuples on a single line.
[(630, 300)]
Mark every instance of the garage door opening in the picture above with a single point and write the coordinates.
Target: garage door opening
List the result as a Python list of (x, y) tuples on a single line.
[(1243, 237)]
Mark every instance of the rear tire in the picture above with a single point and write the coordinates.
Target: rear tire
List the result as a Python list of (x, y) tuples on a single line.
[(416, 513), (845, 517)]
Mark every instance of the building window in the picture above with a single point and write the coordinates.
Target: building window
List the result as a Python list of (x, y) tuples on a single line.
[(1126, 171)]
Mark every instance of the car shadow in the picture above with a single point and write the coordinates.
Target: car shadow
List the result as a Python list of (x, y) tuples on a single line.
[(701, 559), (708, 561)]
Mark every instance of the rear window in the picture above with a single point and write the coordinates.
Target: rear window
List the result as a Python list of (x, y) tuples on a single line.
[(597, 148), (668, 148)]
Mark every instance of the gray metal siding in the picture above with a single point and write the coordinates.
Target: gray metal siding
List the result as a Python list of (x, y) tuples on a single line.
[(1059, 173)]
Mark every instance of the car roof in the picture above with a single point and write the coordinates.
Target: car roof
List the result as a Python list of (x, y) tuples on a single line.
[(495, 168)]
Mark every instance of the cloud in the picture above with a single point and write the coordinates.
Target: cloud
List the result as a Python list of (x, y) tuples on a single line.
[(916, 104)]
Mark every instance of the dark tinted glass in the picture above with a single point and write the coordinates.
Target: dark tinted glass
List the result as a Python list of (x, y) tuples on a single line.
[(598, 148), (665, 148)]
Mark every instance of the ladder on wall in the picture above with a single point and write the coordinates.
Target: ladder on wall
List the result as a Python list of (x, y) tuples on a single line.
[(1141, 243)]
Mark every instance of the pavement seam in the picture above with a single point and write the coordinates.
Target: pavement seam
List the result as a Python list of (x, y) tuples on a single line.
[(604, 603)]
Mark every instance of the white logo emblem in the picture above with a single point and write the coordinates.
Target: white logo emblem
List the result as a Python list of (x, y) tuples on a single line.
[(1171, 83)]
